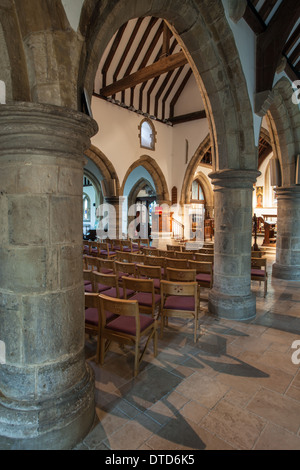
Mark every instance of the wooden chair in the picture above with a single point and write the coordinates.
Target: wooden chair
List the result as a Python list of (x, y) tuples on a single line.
[(204, 273), (182, 275), (105, 266), (142, 242), (86, 247), (151, 251), (150, 272), (115, 244), (125, 269), (257, 254), (127, 246), (87, 280), (94, 248), (156, 261), (167, 253), (105, 251), (128, 327), (123, 256), (204, 257), (109, 284), (207, 251), (137, 258), (179, 299), (259, 272), (90, 263), (184, 255), (149, 301), (93, 318), (177, 263), (173, 248)]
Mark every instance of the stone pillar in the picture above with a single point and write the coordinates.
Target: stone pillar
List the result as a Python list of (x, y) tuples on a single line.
[(46, 388), (287, 265), (231, 295)]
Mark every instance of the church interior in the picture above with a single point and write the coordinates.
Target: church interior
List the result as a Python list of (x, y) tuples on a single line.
[(150, 225)]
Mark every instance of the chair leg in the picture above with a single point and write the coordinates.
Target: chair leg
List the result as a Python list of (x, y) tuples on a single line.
[(136, 359)]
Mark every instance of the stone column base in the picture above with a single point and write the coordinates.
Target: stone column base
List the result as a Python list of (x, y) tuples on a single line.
[(56, 424), (232, 307), (288, 273)]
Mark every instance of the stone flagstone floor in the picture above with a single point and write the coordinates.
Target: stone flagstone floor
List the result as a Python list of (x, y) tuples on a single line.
[(236, 388)]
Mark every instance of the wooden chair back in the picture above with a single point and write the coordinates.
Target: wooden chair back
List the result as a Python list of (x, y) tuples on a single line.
[(182, 275)]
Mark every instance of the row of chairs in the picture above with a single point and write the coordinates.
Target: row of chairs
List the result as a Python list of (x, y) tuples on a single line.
[(108, 248), (127, 313), (154, 267)]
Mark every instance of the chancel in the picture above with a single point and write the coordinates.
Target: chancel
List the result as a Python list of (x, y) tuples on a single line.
[(149, 149)]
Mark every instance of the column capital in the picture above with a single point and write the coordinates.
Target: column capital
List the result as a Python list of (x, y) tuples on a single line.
[(288, 192), (233, 178), (27, 127)]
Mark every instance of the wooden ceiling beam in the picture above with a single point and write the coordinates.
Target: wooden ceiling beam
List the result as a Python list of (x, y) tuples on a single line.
[(266, 9), (188, 117), (127, 48), (163, 65), (292, 41), (112, 52), (253, 19), (270, 44)]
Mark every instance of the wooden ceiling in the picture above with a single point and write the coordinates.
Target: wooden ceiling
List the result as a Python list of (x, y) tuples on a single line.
[(145, 70), (276, 24)]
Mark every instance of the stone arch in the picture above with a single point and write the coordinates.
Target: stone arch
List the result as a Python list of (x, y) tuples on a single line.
[(136, 189), (105, 166), (284, 128), (204, 33), (157, 175), (191, 169), (207, 190)]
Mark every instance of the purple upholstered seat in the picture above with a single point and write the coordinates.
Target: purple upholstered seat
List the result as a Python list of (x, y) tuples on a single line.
[(105, 252), (177, 302), (91, 316), (112, 292), (88, 287), (145, 298), (127, 324), (102, 288), (258, 272), (203, 277)]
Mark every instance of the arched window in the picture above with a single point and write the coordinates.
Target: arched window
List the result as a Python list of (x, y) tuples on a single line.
[(147, 134), (197, 192), (86, 208)]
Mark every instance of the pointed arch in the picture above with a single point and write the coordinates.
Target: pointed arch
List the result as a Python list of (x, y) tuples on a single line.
[(284, 127), (105, 166), (191, 170), (157, 175)]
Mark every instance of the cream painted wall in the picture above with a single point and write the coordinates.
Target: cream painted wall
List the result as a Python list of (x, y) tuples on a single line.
[(118, 138)]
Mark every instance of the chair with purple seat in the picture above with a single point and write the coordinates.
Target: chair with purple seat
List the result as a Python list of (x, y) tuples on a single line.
[(125, 269), (93, 318), (184, 255), (90, 263), (156, 261), (123, 256), (105, 251), (259, 272), (204, 270), (137, 258), (177, 263), (182, 275), (149, 301), (128, 327), (87, 280), (109, 285), (150, 251), (150, 272), (106, 266), (181, 300)]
